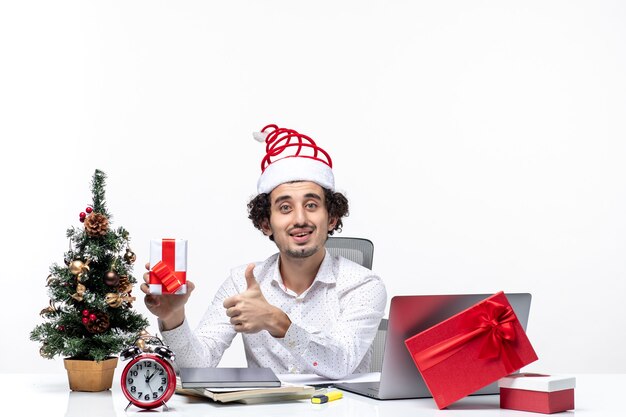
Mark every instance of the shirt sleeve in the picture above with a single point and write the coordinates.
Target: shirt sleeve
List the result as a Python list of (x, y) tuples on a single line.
[(204, 346), (336, 350)]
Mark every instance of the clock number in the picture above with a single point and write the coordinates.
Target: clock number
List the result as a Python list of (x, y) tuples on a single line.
[(134, 373), (133, 388), (130, 381), (147, 397), (148, 364), (161, 388), (163, 381), (162, 371), (155, 395), (139, 394)]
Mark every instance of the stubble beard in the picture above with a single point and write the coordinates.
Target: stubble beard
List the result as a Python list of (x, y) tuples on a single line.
[(302, 253)]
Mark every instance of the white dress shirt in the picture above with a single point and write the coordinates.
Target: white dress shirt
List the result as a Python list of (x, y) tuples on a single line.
[(333, 322)]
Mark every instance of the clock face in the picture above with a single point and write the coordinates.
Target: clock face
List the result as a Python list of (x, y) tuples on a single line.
[(148, 381)]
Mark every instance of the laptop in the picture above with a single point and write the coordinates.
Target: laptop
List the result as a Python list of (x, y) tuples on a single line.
[(409, 315)]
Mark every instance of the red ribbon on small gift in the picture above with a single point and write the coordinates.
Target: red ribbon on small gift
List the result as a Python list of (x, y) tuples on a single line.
[(492, 322), (164, 270)]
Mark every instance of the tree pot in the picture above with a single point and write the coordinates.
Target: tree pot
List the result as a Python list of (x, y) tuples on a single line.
[(91, 376)]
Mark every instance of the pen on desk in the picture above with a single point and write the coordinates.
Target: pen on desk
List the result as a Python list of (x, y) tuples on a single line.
[(324, 398)]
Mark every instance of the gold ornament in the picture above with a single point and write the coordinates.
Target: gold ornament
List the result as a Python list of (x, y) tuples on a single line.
[(141, 340), (141, 344), (48, 310), (78, 267), (128, 299), (80, 291), (113, 300), (130, 256), (43, 353)]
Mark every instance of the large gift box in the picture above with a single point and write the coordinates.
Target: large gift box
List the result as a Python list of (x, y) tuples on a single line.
[(537, 393), (168, 266), (471, 349)]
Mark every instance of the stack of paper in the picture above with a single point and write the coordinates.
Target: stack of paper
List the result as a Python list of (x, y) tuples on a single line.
[(250, 395)]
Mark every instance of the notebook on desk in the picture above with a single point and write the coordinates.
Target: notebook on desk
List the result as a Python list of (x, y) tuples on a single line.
[(409, 315), (228, 378), (286, 392)]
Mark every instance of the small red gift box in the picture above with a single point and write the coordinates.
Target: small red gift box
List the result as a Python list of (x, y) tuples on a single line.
[(537, 393), (168, 266), (471, 349)]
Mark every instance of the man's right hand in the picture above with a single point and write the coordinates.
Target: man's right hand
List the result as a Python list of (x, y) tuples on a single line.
[(169, 308)]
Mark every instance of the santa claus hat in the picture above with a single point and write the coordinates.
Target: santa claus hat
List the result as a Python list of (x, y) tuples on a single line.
[(292, 156)]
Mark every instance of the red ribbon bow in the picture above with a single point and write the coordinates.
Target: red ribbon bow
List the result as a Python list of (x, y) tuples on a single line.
[(164, 269), (491, 321), (168, 277)]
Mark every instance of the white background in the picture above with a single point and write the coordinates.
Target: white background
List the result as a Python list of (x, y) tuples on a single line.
[(481, 145)]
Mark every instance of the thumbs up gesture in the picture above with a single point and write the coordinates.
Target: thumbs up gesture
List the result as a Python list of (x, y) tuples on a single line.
[(250, 312), (253, 285)]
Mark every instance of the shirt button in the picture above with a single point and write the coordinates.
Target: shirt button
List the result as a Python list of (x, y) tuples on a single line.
[(298, 300), (292, 344)]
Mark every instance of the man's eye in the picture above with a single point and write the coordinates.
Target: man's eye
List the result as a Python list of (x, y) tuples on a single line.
[(284, 208), (311, 205)]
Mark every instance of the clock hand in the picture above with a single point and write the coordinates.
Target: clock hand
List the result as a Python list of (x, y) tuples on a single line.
[(148, 384), (150, 377)]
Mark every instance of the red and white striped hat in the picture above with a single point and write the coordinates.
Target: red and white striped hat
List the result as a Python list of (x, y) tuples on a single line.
[(292, 156)]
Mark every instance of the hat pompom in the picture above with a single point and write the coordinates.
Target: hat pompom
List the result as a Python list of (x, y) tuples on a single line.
[(260, 136)]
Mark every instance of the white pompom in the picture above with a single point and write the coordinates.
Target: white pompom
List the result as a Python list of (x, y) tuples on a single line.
[(259, 136)]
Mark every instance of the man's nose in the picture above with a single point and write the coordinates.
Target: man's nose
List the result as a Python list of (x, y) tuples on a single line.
[(300, 215)]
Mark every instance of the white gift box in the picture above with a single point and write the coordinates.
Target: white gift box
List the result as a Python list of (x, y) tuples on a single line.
[(168, 266), (537, 393)]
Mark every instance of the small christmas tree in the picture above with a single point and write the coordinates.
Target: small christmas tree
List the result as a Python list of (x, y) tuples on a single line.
[(90, 314)]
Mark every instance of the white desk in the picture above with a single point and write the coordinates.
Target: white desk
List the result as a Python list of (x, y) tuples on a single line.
[(49, 395)]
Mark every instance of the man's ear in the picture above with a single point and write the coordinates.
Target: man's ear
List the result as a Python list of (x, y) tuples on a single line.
[(265, 228), (332, 222)]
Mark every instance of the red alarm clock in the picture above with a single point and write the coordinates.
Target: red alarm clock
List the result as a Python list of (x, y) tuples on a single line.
[(148, 380)]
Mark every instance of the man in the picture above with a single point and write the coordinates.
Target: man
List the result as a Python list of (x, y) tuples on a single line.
[(301, 310)]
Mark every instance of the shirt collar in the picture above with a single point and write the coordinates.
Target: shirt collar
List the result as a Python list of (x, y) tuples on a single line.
[(326, 272)]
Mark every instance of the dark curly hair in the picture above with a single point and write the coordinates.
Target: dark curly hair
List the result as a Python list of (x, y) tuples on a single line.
[(336, 205)]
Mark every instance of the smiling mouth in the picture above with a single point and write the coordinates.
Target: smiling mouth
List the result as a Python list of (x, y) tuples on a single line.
[(301, 236)]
